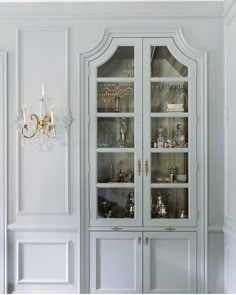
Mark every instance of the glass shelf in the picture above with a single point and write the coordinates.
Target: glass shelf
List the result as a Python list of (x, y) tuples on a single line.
[(115, 202), (164, 64), (170, 185), (169, 203), (115, 115), (115, 150), (169, 97)]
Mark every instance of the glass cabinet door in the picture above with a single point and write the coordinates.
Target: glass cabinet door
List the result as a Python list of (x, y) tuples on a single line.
[(142, 135), (170, 129), (115, 137)]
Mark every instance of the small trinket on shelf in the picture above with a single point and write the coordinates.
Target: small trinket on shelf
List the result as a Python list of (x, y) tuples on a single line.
[(111, 171), (130, 205), (172, 104), (105, 208), (123, 133), (179, 135), (162, 210), (109, 214), (159, 208), (172, 173), (160, 137), (121, 175), (168, 143), (117, 101), (182, 214)]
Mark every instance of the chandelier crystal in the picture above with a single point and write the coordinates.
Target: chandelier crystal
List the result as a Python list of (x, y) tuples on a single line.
[(47, 128)]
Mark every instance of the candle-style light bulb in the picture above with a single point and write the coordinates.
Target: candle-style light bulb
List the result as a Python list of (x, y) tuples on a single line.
[(43, 90), (41, 102), (24, 114), (52, 115)]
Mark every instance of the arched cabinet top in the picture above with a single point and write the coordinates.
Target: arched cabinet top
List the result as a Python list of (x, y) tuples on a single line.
[(173, 38)]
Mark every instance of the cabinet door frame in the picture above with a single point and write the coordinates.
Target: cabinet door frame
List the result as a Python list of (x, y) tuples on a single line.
[(192, 262), (137, 185), (137, 240), (191, 115)]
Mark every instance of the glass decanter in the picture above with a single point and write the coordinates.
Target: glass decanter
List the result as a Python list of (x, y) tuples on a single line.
[(179, 136), (160, 137)]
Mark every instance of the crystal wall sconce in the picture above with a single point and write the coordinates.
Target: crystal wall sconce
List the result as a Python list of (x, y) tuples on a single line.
[(45, 129)]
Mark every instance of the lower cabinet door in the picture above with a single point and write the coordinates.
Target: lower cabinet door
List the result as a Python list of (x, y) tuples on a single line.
[(169, 262), (116, 262)]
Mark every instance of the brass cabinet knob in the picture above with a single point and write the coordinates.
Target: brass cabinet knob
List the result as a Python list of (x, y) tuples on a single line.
[(116, 228), (139, 167), (146, 167), (170, 228)]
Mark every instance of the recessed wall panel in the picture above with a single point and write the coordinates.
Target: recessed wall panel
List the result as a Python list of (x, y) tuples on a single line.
[(43, 262), (43, 176)]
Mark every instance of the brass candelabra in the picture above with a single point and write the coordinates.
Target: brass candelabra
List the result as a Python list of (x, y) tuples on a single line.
[(42, 129), (113, 92)]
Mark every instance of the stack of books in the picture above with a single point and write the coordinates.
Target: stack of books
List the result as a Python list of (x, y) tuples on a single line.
[(175, 107)]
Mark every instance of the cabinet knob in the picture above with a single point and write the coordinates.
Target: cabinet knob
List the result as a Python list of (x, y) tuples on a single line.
[(139, 167), (116, 228), (170, 228), (139, 240), (146, 241), (146, 167)]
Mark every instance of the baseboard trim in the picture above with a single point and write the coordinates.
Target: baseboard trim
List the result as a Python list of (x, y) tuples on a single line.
[(22, 228)]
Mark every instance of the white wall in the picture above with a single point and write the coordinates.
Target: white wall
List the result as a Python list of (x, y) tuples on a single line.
[(230, 145), (49, 215)]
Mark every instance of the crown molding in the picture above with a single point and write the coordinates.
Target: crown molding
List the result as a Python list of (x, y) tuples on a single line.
[(117, 10)]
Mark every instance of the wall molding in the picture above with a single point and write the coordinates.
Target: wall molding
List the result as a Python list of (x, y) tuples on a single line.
[(14, 227), (227, 249), (19, 32), (3, 173), (230, 221), (40, 292), (229, 228), (19, 276), (73, 11)]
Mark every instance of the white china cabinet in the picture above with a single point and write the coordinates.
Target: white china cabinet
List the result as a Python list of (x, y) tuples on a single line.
[(145, 187)]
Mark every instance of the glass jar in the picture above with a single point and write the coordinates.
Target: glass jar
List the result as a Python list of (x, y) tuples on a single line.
[(160, 137), (179, 136)]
